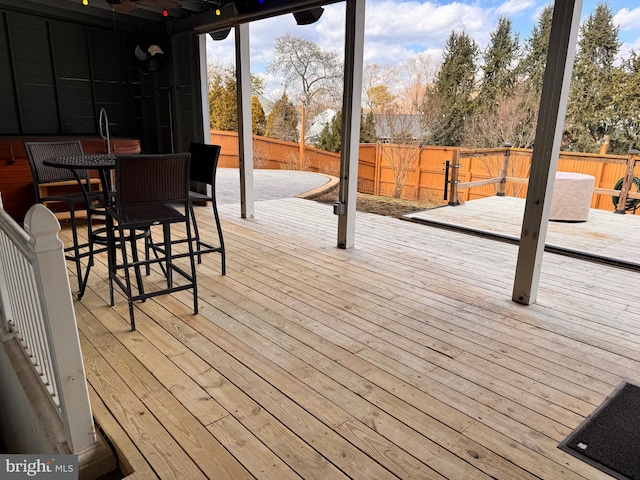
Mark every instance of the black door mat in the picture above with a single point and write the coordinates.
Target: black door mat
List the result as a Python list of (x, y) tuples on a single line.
[(609, 438)]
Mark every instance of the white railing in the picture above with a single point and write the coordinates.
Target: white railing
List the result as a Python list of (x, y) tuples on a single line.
[(37, 309)]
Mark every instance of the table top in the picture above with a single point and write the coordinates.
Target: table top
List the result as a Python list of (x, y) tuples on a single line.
[(574, 176), (97, 161)]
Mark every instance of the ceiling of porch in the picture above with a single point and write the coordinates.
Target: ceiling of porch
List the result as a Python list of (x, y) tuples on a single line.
[(188, 15)]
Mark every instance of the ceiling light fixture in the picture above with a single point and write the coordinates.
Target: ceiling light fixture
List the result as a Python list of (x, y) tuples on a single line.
[(307, 17)]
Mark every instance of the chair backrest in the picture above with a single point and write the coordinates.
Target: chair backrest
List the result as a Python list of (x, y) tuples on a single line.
[(152, 178), (204, 162), (38, 152)]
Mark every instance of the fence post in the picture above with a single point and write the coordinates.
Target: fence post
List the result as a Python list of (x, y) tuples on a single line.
[(416, 191), (61, 326), (501, 189), (455, 179), (377, 169), (627, 182)]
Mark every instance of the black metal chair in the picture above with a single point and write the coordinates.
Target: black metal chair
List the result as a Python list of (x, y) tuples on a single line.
[(47, 178), (204, 165), (148, 190)]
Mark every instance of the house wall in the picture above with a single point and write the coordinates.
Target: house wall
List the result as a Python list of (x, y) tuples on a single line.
[(166, 109), (55, 77)]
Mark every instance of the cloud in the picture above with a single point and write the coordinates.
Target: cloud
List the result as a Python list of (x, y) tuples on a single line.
[(514, 7), (626, 47), (627, 19), (395, 30)]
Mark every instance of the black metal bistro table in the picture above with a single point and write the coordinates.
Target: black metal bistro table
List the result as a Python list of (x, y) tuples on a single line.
[(104, 164)]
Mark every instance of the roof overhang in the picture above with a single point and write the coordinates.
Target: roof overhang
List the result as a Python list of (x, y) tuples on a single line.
[(194, 16), (234, 13)]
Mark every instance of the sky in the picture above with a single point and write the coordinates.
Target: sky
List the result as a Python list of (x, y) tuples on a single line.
[(396, 30)]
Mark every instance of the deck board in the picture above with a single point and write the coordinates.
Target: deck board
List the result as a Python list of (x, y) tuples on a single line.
[(401, 358)]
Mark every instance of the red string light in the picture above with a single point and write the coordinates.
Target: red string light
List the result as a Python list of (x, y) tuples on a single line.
[(165, 12)]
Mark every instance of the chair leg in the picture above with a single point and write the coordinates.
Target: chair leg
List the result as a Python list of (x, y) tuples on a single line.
[(147, 248), (166, 230), (192, 262), (219, 227), (152, 247), (75, 248), (135, 258), (111, 256), (83, 280), (127, 278), (196, 237)]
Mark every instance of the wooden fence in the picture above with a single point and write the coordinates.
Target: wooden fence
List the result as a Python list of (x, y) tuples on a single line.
[(477, 173)]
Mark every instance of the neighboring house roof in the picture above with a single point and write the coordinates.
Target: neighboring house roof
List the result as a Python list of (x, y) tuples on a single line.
[(267, 104), (387, 126), (321, 120), (394, 125)]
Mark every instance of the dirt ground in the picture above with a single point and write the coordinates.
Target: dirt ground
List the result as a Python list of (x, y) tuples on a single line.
[(391, 207)]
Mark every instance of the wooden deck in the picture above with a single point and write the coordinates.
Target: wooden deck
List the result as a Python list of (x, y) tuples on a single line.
[(401, 358), (605, 235)]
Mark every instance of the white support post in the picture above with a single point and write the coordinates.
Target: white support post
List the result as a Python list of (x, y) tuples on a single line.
[(204, 88), (204, 95), (553, 108), (61, 326), (351, 105), (245, 136)]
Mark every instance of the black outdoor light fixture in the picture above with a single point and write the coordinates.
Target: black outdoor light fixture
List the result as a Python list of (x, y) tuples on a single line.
[(307, 17), (238, 7), (304, 17), (220, 34)]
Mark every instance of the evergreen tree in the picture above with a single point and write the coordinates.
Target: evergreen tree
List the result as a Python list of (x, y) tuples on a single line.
[(368, 129), (498, 72), (516, 111), (282, 122), (331, 135), (227, 114), (223, 111), (531, 67), (258, 119), (455, 82), (216, 95), (627, 100), (592, 111), (223, 101)]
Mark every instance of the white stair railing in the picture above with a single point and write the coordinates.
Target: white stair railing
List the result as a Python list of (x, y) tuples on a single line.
[(37, 308)]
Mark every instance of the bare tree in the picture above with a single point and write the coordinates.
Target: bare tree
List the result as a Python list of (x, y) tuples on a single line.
[(377, 80), (310, 74), (410, 122), (408, 133), (512, 120), (416, 75)]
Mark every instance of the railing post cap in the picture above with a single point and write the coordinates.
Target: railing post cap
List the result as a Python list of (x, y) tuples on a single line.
[(508, 144), (634, 151), (43, 226)]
